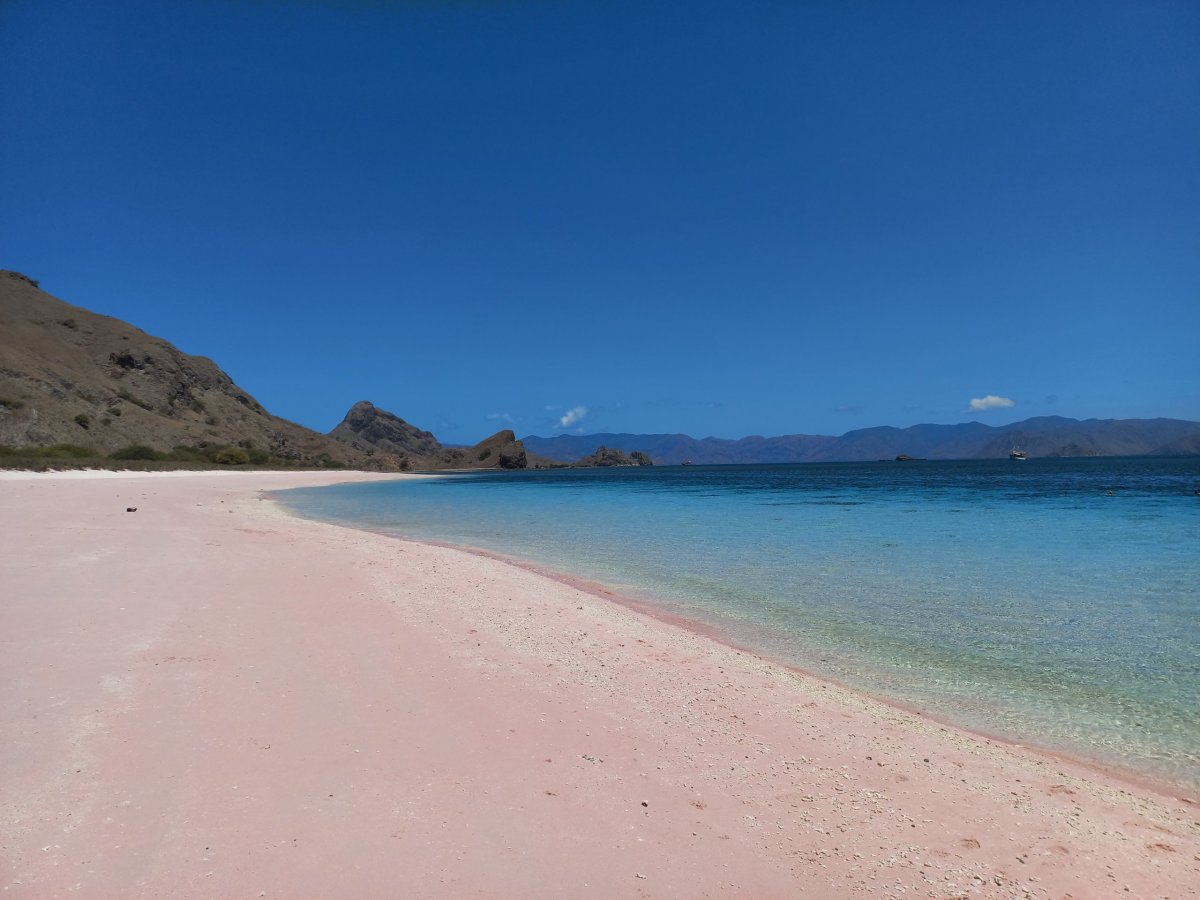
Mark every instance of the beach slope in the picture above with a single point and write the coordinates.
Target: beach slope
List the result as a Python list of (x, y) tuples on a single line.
[(210, 698)]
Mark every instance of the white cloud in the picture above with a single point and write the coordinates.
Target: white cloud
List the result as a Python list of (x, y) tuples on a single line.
[(572, 415), (503, 417), (991, 401)]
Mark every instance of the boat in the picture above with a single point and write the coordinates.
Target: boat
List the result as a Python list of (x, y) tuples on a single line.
[(1014, 453), (686, 462)]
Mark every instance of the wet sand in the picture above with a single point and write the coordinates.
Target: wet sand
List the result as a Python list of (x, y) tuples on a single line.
[(211, 698)]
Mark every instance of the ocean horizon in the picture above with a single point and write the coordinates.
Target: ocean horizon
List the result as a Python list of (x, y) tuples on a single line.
[(1050, 602)]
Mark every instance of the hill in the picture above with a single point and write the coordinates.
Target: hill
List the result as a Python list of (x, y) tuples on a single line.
[(70, 376), (368, 428)]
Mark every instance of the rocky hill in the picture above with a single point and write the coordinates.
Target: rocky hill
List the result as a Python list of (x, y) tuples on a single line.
[(384, 435), (500, 451), (70, 376), (368, 428)]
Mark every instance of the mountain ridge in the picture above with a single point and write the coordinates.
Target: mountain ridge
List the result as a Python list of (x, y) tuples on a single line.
[(1040, 436)]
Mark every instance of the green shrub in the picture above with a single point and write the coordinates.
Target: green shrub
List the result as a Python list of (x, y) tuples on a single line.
[(9, 403), (485, 453), (183, 453), (68, 450), (57, 451), (83, 421), (232, 456), (259, 457), (114, 411), (136, 451)]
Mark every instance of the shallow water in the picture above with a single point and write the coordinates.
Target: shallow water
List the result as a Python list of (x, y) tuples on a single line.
[(1054, 602)]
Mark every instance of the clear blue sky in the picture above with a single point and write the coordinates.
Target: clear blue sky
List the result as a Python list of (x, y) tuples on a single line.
[(711, 217)]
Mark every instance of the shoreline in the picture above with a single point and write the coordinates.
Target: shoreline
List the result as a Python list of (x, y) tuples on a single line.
[(215, 697), (653, 607)]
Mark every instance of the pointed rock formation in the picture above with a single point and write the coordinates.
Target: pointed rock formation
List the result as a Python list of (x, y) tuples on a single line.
[(366, 427)]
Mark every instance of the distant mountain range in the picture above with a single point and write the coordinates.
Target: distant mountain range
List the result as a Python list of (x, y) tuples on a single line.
[(1042, 436)]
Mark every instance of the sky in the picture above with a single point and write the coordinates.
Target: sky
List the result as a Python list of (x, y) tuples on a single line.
[(714, 218)]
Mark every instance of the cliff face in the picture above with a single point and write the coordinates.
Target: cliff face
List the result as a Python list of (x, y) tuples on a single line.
[(68, 375)]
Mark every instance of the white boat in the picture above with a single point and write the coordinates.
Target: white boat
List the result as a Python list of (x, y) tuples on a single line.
[(1014, 453)]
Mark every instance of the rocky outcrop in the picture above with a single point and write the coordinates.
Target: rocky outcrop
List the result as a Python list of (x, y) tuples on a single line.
[(366, 427), (610, 456), (71, 376), (402, 446), (501, 450), (17, 276)]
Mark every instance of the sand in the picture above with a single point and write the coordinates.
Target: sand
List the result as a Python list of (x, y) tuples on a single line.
[(210, 698)]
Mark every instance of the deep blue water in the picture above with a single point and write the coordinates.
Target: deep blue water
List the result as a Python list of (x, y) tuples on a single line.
[(1055, 602)]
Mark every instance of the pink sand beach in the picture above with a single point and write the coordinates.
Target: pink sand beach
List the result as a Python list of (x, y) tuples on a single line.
[(210, 698)]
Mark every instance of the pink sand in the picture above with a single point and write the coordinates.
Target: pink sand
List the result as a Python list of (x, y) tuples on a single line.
[(209, 698)]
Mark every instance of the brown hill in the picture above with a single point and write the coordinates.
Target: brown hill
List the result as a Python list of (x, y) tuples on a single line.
[(68, 375)]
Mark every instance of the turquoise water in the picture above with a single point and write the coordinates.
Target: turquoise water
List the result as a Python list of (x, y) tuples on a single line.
[(1054, 602)]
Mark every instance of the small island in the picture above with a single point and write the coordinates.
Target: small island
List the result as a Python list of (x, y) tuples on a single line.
[(611, 456)]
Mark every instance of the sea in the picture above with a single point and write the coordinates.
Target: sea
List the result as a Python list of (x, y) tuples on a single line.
[(1050, 602)]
